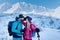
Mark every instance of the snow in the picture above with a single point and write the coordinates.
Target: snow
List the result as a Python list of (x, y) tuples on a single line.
[(47, 32), (50, 34), (25, 8), (47, 20), (14, 7)]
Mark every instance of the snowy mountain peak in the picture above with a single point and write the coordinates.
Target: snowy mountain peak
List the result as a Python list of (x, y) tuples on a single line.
[(25, 8), (13, 8)]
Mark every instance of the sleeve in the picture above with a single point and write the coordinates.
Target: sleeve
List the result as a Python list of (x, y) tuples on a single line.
[(33, 27)]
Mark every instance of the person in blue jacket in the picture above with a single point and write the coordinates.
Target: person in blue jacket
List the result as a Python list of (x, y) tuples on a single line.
[(16, 27)]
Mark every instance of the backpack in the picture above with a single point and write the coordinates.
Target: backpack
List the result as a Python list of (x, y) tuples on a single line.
[(10, 27), (33, 33)]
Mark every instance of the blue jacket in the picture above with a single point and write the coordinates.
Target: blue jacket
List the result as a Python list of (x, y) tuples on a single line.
[(19, 27)]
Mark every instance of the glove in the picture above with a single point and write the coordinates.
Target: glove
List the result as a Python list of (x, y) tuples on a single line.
[(37, 30), (22, 30)]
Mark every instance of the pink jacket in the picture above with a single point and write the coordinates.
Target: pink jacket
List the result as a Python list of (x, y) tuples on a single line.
[(27, 34)]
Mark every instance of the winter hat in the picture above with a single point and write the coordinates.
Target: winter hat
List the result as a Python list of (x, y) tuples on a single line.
[(29, 18), (21, 16)]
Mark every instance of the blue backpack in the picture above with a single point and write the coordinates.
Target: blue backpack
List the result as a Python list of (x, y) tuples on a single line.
[(10, 28), (33, 33)]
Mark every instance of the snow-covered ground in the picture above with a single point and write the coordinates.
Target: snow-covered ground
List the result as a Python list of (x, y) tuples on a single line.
[(48, 34), (48, 31)]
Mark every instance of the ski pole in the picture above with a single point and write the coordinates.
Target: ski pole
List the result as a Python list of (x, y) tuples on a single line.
[(38, 35)]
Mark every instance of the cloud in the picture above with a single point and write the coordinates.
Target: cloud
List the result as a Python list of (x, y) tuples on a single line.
[(13, 8)]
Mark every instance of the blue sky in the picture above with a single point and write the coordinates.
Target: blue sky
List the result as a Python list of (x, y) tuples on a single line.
[(46, 3)]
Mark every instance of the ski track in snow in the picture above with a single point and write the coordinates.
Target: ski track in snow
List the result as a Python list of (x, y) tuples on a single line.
[(45, 34)]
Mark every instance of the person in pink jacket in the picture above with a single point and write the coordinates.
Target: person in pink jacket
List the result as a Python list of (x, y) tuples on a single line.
[(29, 27)]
